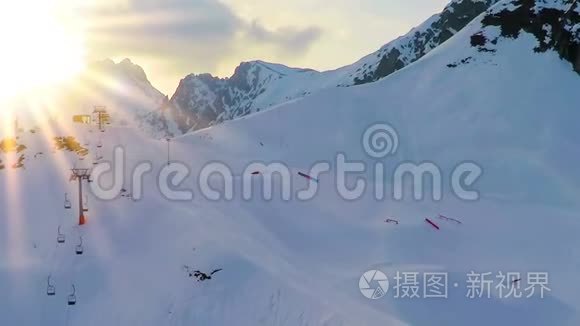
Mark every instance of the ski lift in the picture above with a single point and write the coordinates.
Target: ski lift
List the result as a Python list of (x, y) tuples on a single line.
[(79, 249), (60, 237), (86, 204), (100, 143), (67, 204), (97, 158), (72, 298), (50, 289)]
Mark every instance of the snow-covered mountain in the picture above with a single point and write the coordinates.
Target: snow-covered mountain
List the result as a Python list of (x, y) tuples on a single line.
[(203, 100), (501, 93), (555, 25)]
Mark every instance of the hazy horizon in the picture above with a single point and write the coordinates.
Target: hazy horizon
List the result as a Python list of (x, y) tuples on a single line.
[(170, 39)]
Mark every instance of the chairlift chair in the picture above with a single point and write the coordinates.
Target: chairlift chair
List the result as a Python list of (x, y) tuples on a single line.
[(50, 289), (79, 249), (96, 159), (60, 238), (100, 144), (72, 298), (86, 204), (67, 203)]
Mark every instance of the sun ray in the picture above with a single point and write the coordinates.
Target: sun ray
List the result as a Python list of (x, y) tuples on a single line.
[(12, 214)]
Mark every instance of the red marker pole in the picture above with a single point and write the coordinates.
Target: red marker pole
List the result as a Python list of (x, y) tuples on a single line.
[(307, 176), (432, 224)]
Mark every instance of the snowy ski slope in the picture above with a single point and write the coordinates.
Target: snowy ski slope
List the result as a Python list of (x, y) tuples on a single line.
[(299, 263)]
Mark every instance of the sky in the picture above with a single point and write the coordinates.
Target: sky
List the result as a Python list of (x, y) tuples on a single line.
[(173, 38)]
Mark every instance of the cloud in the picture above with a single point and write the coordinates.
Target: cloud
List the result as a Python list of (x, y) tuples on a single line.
[(289, 38), (168, 27), (184, 35)]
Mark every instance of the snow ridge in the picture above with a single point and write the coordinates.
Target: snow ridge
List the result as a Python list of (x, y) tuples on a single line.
[(203, 100)]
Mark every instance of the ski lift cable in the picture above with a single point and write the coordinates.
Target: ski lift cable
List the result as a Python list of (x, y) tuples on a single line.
[(72, 268), (62, 235), (57, 262), (54, 262), (72, 298), (67, 316)]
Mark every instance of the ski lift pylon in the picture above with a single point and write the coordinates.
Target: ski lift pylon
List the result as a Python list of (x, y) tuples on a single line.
[(72, 298), (50, 289)]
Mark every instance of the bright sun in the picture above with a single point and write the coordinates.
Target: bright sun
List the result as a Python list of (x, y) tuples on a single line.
[(38, 48)]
